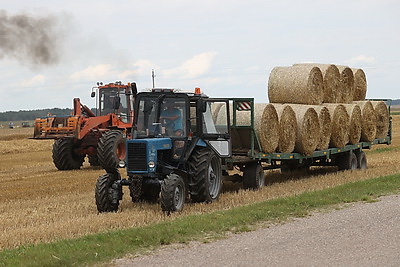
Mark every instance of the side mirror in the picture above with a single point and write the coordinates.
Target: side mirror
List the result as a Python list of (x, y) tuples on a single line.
[(117, 102), (93, 94), (134, 88)]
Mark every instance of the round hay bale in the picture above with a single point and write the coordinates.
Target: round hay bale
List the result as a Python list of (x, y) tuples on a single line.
[(331, 79), (266, 125), (382, 118), (346, 85), (287, 128), (308, 129), (360, 85), (354, 112), (340, 125), (300, 84), (368, 121), (325, 123)]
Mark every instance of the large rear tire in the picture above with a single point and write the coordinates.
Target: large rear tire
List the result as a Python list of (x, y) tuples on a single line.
[(253, 176), (207, 180), (64, 156), (173, 193), (111, 150), (104, 191)]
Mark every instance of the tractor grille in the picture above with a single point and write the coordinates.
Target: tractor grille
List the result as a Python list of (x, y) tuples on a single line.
[(137, 154)]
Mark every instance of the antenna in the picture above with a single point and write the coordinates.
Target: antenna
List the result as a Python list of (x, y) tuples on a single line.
[(153, 76)]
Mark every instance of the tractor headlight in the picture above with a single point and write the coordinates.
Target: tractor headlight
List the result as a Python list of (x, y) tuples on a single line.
[(151, 164), (121, 164)]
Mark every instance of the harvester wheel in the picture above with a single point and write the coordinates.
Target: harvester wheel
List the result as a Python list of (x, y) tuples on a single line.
[(173, 193), (347, 161), (93, 160), (105, 193), (207, 180), (64, 157), (253, 176), (361, 160), (111, 150)]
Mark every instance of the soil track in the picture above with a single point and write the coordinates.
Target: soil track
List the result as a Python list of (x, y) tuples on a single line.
[(41, 204)]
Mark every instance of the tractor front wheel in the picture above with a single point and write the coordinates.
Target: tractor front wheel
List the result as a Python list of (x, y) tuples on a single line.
[(107, 197), (111, 150), (64, 155), (173, 193)]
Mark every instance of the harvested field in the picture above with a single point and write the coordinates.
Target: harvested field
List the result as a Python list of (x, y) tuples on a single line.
[(41, 204)]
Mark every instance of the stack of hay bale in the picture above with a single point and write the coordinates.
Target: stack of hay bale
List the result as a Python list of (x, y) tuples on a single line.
[(317, 106)]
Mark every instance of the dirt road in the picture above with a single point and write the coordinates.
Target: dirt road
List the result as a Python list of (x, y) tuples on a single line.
[(364, 234)]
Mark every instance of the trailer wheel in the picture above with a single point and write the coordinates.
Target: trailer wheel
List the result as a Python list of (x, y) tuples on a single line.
[(253, 176), (111, 150), (104, 193), (348, 161), (207, 180), (173, 193), (361, 160), (64, 156)]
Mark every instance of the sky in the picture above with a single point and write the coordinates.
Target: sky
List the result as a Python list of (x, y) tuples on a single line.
[(226, 47)]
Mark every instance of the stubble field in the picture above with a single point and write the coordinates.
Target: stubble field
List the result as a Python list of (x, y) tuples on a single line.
[(38, 203)]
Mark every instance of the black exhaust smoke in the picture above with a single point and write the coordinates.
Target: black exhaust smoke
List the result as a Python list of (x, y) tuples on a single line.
[(31, 39)]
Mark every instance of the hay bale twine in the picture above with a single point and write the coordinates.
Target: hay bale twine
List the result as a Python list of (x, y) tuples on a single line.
[(325, 123), (300, 84), (346, 85), (340, 125), (382, 118), (266, 125), (308, 129), (287, 128), (368, 121), (331, 79), (354, 112), (360, 85)]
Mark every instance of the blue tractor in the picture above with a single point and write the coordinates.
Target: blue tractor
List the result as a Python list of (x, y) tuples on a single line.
[(176, 153)]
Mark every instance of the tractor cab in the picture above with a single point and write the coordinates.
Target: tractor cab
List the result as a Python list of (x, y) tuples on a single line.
[(116, 98)]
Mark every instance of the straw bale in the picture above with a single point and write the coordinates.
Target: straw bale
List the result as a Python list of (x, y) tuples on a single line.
[(346, 85), (382, 118), (340, 125), (308, 129), (354, 112), (368, 121), (266, 125), (300, 84), (287, 128), (325, 123), (360, 85), (331, 79)]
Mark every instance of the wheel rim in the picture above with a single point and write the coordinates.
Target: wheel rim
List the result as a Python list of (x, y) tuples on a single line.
[(214, 177), (121, 151), (178, 197)]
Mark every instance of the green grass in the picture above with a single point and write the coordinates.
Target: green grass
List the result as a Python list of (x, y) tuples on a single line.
[(107, 246), (383, 150)]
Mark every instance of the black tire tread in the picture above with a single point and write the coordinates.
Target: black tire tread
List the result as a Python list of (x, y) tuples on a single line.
[(103, 194), (168, 192), (106, 150), (63, 156)]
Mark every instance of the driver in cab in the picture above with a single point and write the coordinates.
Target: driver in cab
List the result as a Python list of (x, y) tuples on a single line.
[(171, 117)]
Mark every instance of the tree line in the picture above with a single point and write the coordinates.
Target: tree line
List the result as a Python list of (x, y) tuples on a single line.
[(30, 115)]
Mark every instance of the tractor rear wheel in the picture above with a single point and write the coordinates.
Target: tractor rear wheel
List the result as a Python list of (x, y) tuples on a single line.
[(173, 193), (104, 193), (253, 176), (206, 183), (64, 156), (111, 150)]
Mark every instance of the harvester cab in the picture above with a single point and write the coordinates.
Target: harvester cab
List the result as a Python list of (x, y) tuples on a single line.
[(177, 151)]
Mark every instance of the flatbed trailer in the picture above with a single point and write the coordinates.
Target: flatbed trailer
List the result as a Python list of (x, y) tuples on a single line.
[(247, 154)]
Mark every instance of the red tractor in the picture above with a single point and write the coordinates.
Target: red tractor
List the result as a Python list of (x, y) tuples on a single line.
[(99, 136)]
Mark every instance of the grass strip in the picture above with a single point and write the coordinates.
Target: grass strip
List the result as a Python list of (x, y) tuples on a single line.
[(106, 246)]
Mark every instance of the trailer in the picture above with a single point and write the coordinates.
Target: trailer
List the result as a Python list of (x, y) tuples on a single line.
[(248, 157)]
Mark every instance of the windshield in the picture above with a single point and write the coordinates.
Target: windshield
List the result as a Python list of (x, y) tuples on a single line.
[(162, 115), (109, 99)]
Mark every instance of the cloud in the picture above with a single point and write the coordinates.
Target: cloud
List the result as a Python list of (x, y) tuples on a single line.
[(192, 68), (35, 81), (93, 73), (360, 59)]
